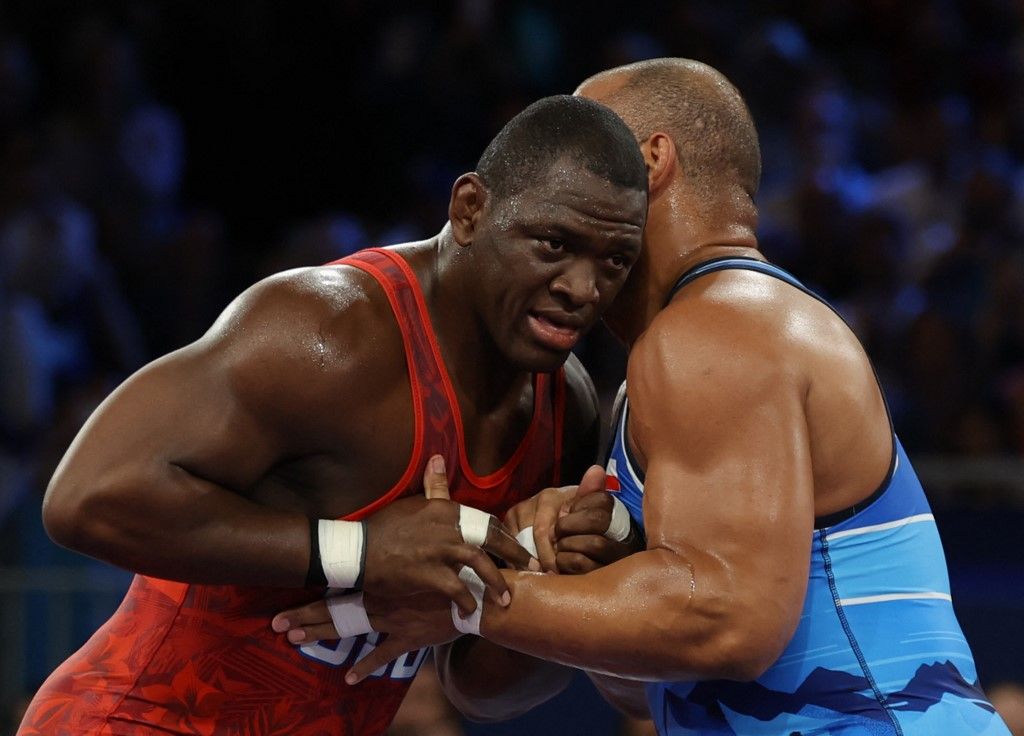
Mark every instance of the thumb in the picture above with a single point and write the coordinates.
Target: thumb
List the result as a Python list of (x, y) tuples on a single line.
[(435, 482), (593, 480)]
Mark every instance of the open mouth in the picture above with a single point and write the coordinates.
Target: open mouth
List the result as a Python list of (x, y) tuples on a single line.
[(553, 334)]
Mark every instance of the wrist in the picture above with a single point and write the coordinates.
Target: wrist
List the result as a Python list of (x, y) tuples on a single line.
[(337, 553)]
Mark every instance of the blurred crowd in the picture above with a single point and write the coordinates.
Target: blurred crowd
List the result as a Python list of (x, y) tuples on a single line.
[(155, 158)]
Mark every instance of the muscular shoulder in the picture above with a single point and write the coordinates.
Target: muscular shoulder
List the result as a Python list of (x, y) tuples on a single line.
[(307, 334), (300, 297), (715, 346), (771, 318)]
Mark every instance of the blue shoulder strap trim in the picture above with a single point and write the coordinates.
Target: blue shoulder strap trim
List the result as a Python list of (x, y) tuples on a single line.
[(742, 263)]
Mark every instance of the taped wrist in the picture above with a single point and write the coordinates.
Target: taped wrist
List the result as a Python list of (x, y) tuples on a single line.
[(470, 624), (349, 615), (337, 552)]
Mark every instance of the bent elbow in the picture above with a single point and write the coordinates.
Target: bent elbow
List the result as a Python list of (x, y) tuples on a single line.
[(747, 667), (78, 518), (747, 655), (61, 515)]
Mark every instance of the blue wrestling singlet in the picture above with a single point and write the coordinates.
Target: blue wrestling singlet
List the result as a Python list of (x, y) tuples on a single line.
[(878, 649)]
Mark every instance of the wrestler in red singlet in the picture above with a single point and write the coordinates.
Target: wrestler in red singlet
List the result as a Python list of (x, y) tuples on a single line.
[(201, 659)]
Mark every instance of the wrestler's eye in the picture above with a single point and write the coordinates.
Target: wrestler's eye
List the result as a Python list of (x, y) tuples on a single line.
[(618, 261), (555, 244)]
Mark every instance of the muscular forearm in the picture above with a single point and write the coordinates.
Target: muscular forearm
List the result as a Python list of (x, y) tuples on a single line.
[(163, 521), (651, 616), (487, 682)]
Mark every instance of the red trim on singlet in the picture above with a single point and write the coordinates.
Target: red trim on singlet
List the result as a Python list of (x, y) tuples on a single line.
[(539, 389), (414, 384), (558, 420)]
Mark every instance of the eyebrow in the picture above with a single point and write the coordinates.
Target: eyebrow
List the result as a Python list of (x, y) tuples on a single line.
[(576, 232)]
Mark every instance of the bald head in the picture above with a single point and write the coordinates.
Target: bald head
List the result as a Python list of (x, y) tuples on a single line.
[(707, 119)]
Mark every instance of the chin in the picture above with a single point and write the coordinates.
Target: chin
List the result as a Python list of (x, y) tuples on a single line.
[(539, 360)]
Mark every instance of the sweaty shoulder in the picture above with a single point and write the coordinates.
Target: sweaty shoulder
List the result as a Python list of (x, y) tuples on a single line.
[(307, 337), (752, 316), (734, 325), (736, 342)]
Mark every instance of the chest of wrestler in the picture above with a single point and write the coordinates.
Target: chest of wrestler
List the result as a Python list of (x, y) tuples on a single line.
[(379, 451)]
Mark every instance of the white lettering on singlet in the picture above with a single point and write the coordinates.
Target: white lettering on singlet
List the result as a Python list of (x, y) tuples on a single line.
[(346, 652)]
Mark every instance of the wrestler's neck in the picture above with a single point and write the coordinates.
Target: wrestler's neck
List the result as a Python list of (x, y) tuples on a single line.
[(675, 242), (476, 366)]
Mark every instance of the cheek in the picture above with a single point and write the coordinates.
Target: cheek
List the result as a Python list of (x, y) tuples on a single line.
[(526, 277), (610, 288)]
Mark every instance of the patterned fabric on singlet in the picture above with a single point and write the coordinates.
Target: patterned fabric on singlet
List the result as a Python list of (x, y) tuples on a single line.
[(202, 659), (878, 650)]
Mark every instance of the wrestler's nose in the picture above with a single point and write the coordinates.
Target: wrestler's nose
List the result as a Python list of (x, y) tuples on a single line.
[(578, 283)]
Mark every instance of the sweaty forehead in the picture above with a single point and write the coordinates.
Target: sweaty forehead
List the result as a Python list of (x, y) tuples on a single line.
[(570, 192), (577, 199)]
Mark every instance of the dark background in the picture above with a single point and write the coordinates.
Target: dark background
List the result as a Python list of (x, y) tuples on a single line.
[(156, 158)]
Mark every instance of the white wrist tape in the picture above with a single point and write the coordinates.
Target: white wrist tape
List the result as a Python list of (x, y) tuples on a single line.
[(619, 526), (473, 523), (349, 615), (470, 625), (526, 540), (342, 550)]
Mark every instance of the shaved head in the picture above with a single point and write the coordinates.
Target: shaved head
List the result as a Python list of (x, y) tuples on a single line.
[(706, 117)]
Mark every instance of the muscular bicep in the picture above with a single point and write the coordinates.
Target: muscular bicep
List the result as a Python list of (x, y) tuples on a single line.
[(158, 478), (225, 408), (728, 474), (181, 410)]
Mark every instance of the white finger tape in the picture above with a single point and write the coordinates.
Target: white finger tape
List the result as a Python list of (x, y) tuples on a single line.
[(471, 624), (619, 526), (341, 552), (349, 615), (525, 538), (473, 523)]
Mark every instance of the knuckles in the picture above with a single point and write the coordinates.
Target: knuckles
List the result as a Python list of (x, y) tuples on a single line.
[(589, 521)]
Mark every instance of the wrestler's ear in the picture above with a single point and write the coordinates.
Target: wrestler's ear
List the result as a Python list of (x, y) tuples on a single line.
[(469, 200), (660, 155)]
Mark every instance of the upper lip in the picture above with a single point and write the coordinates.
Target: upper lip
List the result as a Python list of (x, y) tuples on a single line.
[(560, 318)]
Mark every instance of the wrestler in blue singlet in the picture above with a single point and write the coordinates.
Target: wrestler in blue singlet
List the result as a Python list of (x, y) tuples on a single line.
[(878, 649)]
